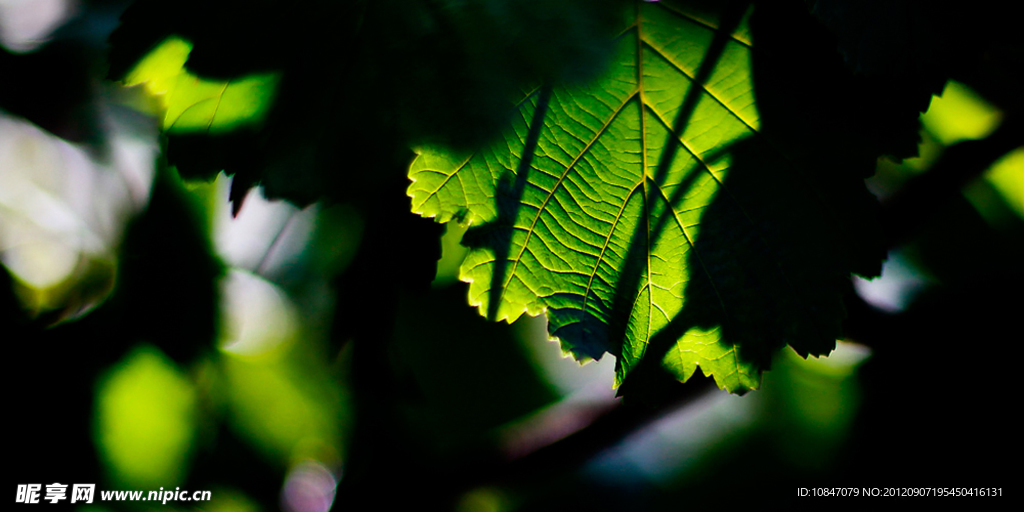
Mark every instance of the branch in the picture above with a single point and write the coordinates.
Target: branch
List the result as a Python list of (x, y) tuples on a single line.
[(603, 429)]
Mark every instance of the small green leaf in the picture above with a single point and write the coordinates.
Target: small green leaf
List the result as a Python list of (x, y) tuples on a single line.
[(649, 210), (193, 104)]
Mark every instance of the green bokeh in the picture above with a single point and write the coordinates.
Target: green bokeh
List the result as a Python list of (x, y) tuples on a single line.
[(146, 420)]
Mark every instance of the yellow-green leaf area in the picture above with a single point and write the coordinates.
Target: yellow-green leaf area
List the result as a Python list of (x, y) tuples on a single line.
[(1007, 176), (960, 113), (145, 414), (194, 104)]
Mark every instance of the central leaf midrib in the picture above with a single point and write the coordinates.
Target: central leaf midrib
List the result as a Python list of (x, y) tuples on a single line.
[(644, 163)]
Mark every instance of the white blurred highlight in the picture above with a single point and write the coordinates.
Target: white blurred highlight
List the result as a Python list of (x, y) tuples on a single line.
[(26, 24), (60, 207), (265, 236), (257, 316), (895, 289), (309, 487), (658, 451), (589, 381), (585, 389)]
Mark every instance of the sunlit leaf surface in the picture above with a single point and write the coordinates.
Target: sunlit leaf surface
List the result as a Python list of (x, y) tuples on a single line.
[(193, 104), (648, 209)]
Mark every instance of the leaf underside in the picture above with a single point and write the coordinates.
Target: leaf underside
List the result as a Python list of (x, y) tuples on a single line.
[(647, 214)]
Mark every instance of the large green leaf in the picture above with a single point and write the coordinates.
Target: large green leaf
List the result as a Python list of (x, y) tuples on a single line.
[(649, 213)]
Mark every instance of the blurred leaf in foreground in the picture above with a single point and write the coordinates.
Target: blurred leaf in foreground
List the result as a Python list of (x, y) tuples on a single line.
[(190, 103), (146, 418)]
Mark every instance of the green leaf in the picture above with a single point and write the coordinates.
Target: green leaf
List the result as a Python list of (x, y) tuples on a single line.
[(650, 214), (193, 104)]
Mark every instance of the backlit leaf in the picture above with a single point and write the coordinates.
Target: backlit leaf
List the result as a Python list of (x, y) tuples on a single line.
[(649, 214)]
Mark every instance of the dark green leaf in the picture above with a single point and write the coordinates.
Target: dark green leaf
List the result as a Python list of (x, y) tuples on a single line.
[(359, 81)]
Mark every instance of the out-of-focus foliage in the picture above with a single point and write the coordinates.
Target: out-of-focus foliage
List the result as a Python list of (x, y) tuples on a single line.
[(1007, 176), (450, 71), (191, 104), (146, 417)]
